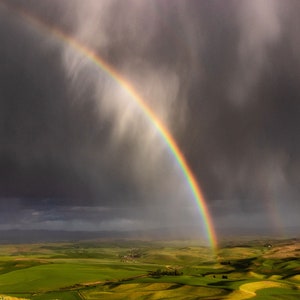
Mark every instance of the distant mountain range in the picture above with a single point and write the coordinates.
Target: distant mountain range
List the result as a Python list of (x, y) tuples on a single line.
[(35, 236), (39, 236)]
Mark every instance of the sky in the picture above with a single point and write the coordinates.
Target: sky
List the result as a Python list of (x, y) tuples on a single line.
[(77, 153)]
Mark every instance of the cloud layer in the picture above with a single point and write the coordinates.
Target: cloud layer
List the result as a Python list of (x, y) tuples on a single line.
[(224, 78)]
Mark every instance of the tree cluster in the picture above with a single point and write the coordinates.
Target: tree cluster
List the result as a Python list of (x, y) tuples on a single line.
[(165, 272)]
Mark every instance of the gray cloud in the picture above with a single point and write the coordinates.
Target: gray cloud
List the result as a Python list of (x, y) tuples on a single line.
[(223, 78), (260, 28)]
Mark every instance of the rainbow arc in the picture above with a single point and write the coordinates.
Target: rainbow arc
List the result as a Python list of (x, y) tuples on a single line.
[(148, 112)]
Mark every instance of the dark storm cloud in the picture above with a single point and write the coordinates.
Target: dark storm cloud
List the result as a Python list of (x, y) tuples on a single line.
[(44, 136), (243, 141), (223, 76)]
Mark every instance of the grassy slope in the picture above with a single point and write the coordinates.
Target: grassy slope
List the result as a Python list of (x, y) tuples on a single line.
[(52, 271)]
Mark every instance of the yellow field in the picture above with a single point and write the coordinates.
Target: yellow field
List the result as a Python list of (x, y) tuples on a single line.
[(153, 292), (5, 297)]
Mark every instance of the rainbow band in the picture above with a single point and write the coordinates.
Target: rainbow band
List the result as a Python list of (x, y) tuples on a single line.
[(149, 113)]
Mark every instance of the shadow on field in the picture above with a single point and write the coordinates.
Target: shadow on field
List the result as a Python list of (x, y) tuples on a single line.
[(242, 265), (175, 286)]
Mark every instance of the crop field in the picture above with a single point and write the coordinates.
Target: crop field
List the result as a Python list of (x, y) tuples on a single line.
[(257, 269)]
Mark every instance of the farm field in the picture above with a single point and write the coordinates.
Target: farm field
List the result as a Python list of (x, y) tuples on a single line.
[(256, 269)]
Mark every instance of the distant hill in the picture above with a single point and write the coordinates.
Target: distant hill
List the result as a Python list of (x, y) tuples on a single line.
[(184, 233), (34, 236)]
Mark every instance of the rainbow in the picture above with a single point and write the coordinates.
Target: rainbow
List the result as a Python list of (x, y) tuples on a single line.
[(148, 112)]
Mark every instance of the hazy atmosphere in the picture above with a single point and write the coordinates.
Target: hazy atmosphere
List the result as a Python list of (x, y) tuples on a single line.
[(77, 153)]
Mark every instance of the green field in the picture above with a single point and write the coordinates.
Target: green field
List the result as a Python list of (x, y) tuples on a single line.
[(150, 270)]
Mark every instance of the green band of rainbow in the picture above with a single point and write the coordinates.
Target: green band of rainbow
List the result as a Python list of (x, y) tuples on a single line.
[(149, 113)]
